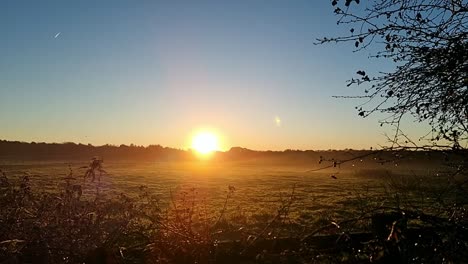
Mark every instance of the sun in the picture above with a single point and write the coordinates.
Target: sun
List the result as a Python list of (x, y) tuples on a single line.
[(205, 142)]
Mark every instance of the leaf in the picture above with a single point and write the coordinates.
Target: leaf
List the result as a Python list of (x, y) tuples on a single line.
[(334, 2), (356, 44), (363, 73)]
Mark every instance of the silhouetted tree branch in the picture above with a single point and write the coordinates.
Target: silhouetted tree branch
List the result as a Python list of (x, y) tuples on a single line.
[(428, 42)]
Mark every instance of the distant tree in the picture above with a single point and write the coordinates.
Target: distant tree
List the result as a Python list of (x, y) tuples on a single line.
[(428, 42)]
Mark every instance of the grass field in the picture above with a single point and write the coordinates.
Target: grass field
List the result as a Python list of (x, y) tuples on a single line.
[(180, 212), (259, 190)]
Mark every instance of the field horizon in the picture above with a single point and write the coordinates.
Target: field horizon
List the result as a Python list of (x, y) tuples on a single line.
[(32, 142)]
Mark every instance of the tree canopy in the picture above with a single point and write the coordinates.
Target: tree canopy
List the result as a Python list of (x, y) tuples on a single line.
[(427, 40)]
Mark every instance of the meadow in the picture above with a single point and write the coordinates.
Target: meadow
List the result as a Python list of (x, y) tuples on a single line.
[(259, 189), (211, 202)]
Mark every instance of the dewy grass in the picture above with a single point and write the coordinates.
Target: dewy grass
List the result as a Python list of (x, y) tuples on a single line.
[(215, 216)]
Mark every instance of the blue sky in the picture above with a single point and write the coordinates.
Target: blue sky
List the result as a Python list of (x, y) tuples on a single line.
[(152, 72)]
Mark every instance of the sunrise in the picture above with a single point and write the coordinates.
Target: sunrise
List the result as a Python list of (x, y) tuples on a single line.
[(241, 131), (205, 142)]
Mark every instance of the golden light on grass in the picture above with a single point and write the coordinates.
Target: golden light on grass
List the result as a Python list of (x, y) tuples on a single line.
[(205, 142)]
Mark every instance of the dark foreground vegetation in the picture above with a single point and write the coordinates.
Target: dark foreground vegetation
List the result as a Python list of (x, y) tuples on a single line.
[(81, 223)]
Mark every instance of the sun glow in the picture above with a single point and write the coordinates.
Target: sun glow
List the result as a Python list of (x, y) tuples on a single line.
[(205, 142)]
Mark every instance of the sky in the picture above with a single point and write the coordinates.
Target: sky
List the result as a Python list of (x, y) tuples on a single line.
[(155, 72)]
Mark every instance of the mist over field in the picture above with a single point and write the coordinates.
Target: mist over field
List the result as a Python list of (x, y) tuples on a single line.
[(262, 180), (233, 198)]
